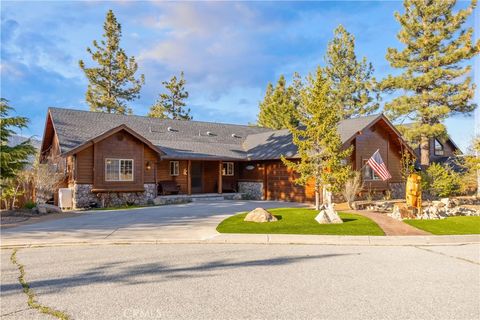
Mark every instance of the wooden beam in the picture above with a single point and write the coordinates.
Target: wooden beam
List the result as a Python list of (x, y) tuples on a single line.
[(220, 187), (189, 177)]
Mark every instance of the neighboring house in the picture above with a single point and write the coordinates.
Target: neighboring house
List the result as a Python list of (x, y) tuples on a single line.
[(127, 157), (442, 149)]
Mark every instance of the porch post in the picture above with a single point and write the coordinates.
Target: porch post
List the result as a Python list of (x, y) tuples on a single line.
[(189, 178), (220, 187)]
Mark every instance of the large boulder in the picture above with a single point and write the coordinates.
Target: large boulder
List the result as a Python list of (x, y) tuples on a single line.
[(328, 215), (44, 208), (260, 215)]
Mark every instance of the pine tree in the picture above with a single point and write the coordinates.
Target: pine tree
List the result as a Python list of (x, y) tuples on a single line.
[(317, 140), (277, 110), (112, 83), (12, 159), (170, 105), (353, 90), (436, 82)]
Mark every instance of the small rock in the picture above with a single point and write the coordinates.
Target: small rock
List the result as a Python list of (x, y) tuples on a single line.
[(260, 215)]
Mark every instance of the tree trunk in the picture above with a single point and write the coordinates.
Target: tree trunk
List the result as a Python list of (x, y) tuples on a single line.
[(424, 151)]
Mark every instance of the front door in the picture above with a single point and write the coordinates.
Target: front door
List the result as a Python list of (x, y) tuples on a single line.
[(196, 174)]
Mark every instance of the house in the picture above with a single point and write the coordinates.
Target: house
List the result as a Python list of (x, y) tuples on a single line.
[(442, 149), (126, 157)]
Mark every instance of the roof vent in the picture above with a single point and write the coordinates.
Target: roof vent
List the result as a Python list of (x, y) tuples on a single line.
[(235, 135), (170, 129), (209, 133)]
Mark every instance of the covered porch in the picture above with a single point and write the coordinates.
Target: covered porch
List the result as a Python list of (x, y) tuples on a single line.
[(196, 177)]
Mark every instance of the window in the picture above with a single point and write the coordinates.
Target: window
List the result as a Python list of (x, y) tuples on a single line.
[(174, 168), (368, 173), (227, 169), (438, 148), (118, 169)]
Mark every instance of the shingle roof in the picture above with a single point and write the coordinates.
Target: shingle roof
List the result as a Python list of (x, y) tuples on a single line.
[(189, 139), (274, 144), (186, 139)]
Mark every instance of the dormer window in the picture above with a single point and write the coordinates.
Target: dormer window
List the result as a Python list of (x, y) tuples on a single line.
[(438, 148)]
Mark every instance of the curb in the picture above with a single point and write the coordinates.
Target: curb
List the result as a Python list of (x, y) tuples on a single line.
[(272, 239)]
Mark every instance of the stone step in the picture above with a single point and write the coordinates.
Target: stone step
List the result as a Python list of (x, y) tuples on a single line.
[(198, 199)]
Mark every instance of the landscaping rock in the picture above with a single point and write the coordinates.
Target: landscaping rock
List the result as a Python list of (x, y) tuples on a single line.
[(41, 210), (402, 211), (327, 215), (44, 208), (260, 215)]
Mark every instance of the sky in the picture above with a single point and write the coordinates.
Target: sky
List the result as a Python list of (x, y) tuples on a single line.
[(229, 51)]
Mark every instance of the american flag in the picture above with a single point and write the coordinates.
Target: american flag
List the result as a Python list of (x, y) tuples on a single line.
[(376, 163)]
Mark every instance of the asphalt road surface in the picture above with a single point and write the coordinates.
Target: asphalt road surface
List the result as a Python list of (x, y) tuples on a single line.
[(207, 281)]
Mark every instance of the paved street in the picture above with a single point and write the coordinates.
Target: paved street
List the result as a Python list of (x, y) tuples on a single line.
[(211, 281), (192, 221)]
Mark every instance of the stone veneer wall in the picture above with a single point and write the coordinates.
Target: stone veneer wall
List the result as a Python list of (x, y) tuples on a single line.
[(83, 196), (252, 190), (398, 190)]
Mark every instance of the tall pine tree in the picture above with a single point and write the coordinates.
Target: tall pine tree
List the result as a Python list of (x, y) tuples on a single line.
[(436, 82), (112, 83), (353, 90), (317, 140), (277, 110), (170, 105)]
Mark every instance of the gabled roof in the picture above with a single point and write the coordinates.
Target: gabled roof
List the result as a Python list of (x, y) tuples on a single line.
[(107, 134), (274, 144), (184, 139), (177, 139)]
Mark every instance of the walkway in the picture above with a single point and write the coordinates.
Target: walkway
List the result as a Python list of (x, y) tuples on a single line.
[(390, 226)]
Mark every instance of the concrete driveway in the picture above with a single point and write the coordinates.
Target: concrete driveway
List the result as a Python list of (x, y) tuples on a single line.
[(192, 221)]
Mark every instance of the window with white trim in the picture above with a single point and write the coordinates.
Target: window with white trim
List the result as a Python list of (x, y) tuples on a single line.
[(118, 169), (368, 173), (174, 168), (438, 148), (227, 169)]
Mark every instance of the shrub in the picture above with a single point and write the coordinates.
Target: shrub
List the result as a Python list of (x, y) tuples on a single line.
[(441, 181), (352, 188), (29, 204)]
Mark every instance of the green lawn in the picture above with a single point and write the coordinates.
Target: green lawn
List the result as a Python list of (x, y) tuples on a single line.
[(451, 225), (301, 221)]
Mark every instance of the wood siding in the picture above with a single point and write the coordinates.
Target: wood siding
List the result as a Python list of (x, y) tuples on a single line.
[(366, 143), (150, 159), (120, 145), (280, 184), (84, 166), (163, 174)]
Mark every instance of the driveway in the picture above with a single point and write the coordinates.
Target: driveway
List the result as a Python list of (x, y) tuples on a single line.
[(192, 221)]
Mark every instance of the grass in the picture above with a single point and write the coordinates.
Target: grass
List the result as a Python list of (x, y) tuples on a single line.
[(31, 299), (301, 221), (450, 225)]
